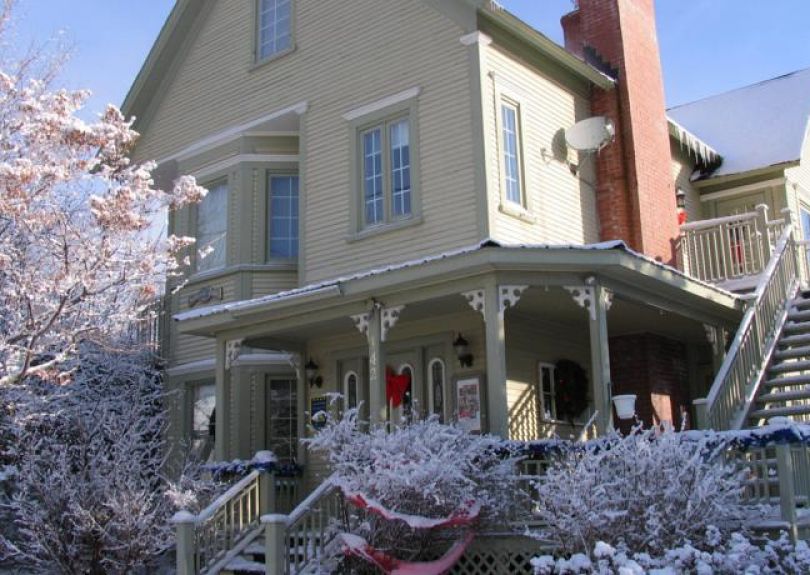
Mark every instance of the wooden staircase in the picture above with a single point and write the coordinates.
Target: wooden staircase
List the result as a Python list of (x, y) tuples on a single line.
[(786, 389)]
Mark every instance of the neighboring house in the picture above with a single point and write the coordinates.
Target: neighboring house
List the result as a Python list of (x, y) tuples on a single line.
[(390, 180)]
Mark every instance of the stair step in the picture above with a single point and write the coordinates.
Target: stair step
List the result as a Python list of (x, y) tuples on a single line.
[(800, 303), (241, 565), (797, 327), (790, 366), (789, 380), (798, 315), (789, 341), (781, 412), (785, 396), (793, 352)]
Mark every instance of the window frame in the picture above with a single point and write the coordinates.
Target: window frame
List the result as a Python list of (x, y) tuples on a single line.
[(431, 396), (541, 393), (192, 386), (214, 183), (505, 101), (349, 374), (294, 438), (383, 117), (258, 59), (269, 175)]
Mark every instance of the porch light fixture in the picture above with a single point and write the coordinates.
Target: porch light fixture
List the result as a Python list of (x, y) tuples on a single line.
[(462, 349), (680, 198), (311, 371)]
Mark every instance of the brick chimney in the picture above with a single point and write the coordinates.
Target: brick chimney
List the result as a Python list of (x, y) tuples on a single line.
[(635, 190)]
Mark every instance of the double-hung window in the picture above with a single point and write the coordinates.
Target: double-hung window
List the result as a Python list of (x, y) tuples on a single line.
[(274, 28), (386, 171), (212, 225), (282, 217), (511, 152)]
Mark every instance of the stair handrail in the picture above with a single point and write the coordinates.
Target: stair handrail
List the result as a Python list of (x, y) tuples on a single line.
[(294, 541), (207, 541), (740, 375)]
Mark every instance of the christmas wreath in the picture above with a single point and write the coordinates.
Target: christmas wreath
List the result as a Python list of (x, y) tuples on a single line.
[(571, 390)]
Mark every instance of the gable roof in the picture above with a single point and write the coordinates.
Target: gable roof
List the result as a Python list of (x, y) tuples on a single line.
[(754, 127)]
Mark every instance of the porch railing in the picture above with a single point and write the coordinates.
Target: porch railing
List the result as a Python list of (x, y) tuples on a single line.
[(208, 541), (729, 248), (732, 393)]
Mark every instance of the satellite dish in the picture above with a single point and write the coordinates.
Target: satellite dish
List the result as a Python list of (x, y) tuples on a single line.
[(590, 135)]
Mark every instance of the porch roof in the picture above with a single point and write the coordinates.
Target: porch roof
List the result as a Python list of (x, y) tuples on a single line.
[(612, 260)]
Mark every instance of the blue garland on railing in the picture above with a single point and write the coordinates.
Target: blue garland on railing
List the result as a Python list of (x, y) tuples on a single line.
[(241, 467), (739, 440)]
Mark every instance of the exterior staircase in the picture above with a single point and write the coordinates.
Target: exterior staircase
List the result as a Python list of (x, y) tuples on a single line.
[(786, 389)]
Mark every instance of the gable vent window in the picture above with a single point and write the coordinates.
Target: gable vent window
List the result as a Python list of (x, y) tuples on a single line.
[(274, 28)]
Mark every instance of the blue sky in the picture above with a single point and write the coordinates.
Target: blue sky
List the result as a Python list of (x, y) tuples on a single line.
[(707, 46)]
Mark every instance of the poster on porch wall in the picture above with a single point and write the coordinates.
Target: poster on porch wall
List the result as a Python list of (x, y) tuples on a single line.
[(468, 400)]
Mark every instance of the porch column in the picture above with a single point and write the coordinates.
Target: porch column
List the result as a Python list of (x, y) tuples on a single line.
[(371, 325), (596, 300), (495, 330), (600, 359), (222, 421), (297, 361)]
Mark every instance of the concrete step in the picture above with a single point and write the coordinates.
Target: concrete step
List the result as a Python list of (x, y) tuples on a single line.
[(779, 396), (781, 412), (792, 353), (794, 340), (788, 381), (797, 327), (789, 367)]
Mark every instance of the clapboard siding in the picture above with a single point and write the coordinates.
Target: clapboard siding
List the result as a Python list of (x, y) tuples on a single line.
[(347, 54), (266, 283), (562, 205)]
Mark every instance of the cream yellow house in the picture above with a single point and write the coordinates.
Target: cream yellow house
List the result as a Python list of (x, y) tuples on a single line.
[(389, 181)]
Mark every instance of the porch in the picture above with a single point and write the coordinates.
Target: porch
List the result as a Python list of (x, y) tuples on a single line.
[(520, 309)]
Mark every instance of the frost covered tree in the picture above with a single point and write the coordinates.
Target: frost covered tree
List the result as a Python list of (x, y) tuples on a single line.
[(650, 490), (416, 485), (75, 261)]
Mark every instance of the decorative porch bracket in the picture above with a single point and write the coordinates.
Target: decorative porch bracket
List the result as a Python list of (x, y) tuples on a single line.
[(585, 297), (477, 301), (390, 317), (509, 296)]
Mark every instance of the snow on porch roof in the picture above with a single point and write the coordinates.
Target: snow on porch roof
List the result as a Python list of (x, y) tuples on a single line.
[(332, 283), (753, 127)]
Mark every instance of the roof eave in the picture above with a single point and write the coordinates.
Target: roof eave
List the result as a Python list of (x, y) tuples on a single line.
[(758, 172), (545, 45)]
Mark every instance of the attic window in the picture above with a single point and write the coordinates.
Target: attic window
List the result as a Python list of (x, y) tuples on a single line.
[(274, 28)]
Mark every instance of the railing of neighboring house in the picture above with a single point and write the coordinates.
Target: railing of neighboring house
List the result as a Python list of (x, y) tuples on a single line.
[(736, 384), (729, 248), (206, 542)]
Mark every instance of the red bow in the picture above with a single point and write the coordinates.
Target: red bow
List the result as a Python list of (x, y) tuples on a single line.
[(396, 386)]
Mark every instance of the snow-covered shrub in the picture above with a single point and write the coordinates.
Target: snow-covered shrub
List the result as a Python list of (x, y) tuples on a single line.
[(88, 494), (422, 470), (712, 555), (651, 490)]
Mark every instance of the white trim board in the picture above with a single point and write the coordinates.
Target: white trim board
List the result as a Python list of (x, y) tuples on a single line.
[(214, 169), (759, 186), (392, 100), (233, 133)]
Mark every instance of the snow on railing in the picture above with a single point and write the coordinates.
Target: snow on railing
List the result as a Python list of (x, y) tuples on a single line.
[(729, 248), (737, 383)]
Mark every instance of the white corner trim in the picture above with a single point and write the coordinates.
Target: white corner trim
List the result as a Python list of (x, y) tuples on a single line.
[(757, 187), (476, 37), (409, 94), (193, 367), (234, 132), (214, 169)]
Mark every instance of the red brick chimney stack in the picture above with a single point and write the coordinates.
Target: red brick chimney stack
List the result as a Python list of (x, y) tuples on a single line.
[(635, 190)]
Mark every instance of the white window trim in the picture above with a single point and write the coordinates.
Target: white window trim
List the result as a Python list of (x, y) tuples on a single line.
[(540, 392), (346, 387), (383, 104), (431, 404), (269, 174)]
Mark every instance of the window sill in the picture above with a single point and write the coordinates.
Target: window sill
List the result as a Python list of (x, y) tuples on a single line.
[(517, 211), (384, 229), (265, 61)]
